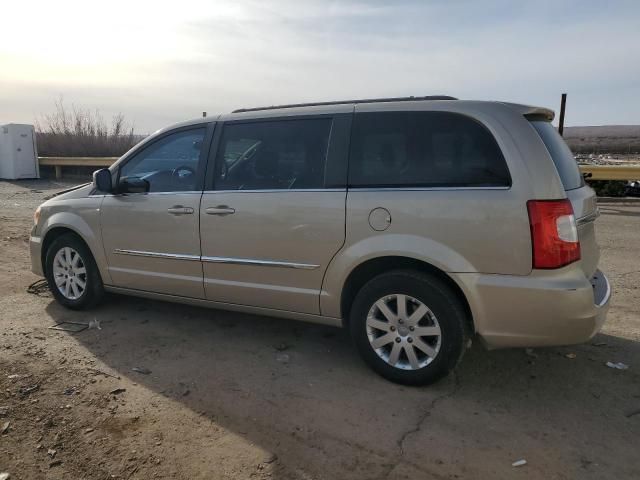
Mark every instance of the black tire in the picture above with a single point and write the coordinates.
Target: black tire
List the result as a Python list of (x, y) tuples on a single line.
[(93, 291), (434, 294)]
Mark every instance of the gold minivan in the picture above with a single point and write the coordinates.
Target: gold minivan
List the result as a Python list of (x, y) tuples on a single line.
[(415, 222)]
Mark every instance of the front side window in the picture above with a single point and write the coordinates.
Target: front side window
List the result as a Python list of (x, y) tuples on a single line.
[(424, 149), (170, 164), (280, 155)]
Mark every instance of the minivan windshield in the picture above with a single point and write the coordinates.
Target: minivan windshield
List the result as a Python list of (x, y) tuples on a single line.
[(562, 157)]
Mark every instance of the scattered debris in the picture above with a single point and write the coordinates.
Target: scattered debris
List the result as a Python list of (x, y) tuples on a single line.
[(5, 428), (26, 390), (270, 458), (73, 327), (95, 323), (39, 288), (570, 356), (117, 391), (282, 358), (519, 463), (631, 413), (142, 370), (281, 347), (96, 371), (52, 452), (617, 366)]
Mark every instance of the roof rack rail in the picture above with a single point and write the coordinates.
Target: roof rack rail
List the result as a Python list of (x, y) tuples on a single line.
[(342, 102)]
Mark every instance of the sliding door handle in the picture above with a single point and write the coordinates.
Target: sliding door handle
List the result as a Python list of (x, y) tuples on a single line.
[(220, 210), (180, 210)]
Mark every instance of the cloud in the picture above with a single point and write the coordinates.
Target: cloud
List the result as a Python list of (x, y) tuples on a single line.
[(167, 63)]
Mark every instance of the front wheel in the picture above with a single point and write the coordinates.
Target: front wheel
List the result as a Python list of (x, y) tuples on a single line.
[(72, 273), (409, 327)]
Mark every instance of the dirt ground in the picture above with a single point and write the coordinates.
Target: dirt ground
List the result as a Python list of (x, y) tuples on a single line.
[(245, 397)]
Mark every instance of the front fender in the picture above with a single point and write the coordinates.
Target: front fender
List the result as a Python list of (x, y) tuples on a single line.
[(384, 245), (84, 220)]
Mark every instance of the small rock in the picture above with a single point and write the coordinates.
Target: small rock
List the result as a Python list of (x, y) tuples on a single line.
[(617, 366), (4, 411), (117, 391), (519, 463), (52, 452), (5, 428), (282, 358), (281, 347), (142, 370), (4, 475), (11, 377), (88, 430), (530, 353), (570, 356), (55, 463)]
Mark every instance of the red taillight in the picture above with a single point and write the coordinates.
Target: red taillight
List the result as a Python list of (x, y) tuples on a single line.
[(554, 236)]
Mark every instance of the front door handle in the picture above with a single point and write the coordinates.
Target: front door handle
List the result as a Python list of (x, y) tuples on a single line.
[(180, 210), (220, 210)]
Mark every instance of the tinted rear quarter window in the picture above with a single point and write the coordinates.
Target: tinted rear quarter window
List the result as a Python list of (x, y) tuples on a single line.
[(424, 149), (561, 155)]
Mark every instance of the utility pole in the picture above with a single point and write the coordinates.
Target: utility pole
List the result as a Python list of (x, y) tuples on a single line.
[(563, 103), (204, 114)]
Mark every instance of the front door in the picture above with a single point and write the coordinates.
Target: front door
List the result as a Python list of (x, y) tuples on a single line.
[(151, 240), (272, 222)]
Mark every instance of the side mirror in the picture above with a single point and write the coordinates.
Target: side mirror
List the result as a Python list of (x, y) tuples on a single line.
[(133, 185), (102, 180)]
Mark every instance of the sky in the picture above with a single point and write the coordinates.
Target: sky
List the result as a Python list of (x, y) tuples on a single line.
[(162, 62)]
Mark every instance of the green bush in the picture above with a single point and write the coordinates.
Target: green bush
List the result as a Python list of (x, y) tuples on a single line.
[(608, 188)]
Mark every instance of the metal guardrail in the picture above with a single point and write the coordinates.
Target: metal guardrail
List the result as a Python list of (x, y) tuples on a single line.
[(59, 162), (598, 172), (612, 172)]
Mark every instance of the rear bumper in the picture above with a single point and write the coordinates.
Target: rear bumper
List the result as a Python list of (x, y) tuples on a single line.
[(546, 308)]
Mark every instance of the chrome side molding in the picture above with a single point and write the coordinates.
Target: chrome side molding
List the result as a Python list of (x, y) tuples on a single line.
[(259, 263), (228, 260), (171, 256), (588, 218)]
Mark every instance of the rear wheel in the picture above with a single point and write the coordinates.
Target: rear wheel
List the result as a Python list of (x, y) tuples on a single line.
[(408, 326), (72, 273)]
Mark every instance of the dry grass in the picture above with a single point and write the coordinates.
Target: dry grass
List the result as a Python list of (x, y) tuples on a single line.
[(83, 133)]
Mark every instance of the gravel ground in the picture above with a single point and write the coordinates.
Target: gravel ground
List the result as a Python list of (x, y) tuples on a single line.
[(227, 395)]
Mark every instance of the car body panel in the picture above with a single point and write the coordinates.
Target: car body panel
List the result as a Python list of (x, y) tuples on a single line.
[(147, 247)]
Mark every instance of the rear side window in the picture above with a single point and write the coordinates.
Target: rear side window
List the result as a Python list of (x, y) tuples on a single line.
[(268, 155), (424, 149), (562, 157)]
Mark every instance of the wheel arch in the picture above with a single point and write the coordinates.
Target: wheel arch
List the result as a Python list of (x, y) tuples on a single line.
[(51, 235), (370, 268)]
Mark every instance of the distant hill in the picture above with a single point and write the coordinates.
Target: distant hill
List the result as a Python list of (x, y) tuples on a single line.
[(603, 139)]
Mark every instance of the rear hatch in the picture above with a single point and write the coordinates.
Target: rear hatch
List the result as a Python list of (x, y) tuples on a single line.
[(581, 196)]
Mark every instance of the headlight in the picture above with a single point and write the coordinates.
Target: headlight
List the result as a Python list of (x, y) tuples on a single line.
[(36, 216)]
